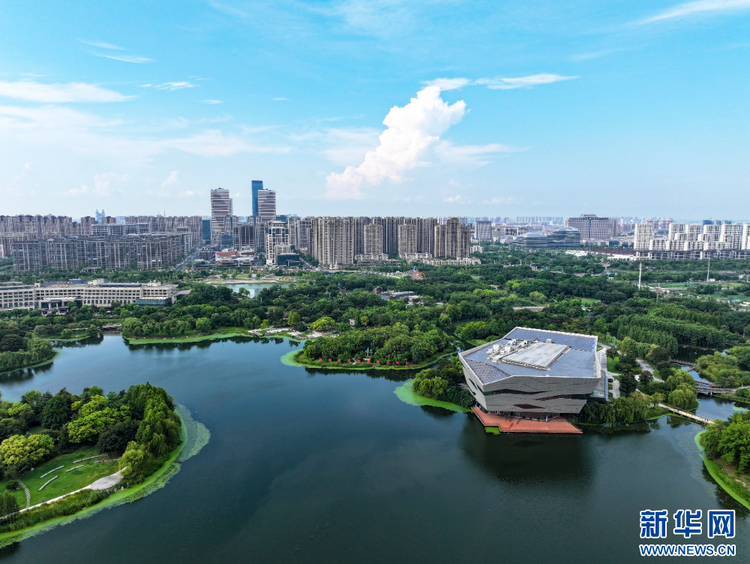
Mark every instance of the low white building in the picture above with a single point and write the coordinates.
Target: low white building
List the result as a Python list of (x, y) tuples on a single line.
[(98, 293)]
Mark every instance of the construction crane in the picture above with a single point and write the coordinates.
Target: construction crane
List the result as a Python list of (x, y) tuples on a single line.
[(416, 275)]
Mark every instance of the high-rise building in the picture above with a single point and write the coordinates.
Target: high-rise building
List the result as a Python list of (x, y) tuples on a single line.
[(407, 239), (277, 240), (221, 207), (373, 239), (332, 240), (483, 231), (266, 205), (257, 186), (644, 232), (299, 232), (426, 234), (594, 228), (452, 240)]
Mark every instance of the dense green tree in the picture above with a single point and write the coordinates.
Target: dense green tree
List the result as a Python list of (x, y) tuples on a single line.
[(8, 504), (117, 437), (19, 452)]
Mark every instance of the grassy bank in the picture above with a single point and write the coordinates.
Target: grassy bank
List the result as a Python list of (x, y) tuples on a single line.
[(405, 392), (37, 365), (192, 434), (187, 338), (298, 359), (722, 478)]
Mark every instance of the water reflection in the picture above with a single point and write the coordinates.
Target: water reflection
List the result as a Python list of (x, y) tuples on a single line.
[(526, 458)]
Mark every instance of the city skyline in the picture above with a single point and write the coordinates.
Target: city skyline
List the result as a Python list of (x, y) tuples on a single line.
[(518, 110)]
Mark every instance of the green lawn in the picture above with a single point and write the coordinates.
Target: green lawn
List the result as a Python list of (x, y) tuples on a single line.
[(612, 364), (67, 481), (589, 301)]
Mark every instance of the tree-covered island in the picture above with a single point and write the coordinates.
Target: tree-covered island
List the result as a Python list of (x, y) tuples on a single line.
[(63, 453)]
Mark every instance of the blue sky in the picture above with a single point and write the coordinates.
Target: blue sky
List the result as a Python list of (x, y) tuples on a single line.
[(490, 108)]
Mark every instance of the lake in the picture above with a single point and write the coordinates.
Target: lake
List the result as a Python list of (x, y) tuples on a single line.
[(254, 289), (308, 466)]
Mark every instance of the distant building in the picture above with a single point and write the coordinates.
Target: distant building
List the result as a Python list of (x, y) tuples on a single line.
[(332, 240), (277, 241), (373, 239), (536, 373), (592, 227), (483, 231), (407, 239), (562, 237), (452, 240), (49, 296), (257, 186), (267, 205), (221, 207)]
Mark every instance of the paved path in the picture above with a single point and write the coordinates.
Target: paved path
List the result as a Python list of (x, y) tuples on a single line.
[(107, 482), (28, 495), (646, 366)]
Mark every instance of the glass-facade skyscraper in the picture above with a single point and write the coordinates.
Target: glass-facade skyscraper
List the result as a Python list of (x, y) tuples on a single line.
[(257, 187)]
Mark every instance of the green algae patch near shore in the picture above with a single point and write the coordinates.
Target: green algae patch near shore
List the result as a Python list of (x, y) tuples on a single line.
[(721, 478), (405, 392), (194, 436)]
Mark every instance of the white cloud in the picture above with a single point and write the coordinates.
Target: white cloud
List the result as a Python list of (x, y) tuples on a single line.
[(457, 199), (471, 155), (101, 45), (215, 144), (85, 133), (448, 83), (212, 102), (500, 200), (32, 91), (102, 185), (125, 58), (696, 8), (172, 86), (279, 99), (412, 132), (171, 179), (521, 82), (18, 177)]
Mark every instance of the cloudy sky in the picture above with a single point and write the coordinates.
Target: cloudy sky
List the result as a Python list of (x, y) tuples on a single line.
[(377, 107)]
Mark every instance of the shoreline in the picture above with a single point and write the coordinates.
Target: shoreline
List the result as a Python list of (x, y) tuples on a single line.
[(367, 366), (152, 483), (405, 392), (721, 478), (58, 352)]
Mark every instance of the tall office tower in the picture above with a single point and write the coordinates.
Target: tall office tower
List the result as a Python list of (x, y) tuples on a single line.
[(277, 235), (426, 234), (257, 186), (593, 227), (221, 207), (267, 205), (731, 235), (452, 240), (373, 239), (359, 234), (644, 232), (332, 240), (483, 231), (407, 239), (100, 216)]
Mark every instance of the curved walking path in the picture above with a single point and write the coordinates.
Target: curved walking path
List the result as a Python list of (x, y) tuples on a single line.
[(28, 495), (100, 484)]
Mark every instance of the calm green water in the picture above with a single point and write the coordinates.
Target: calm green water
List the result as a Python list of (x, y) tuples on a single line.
[(306, 466), (254, 289)]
